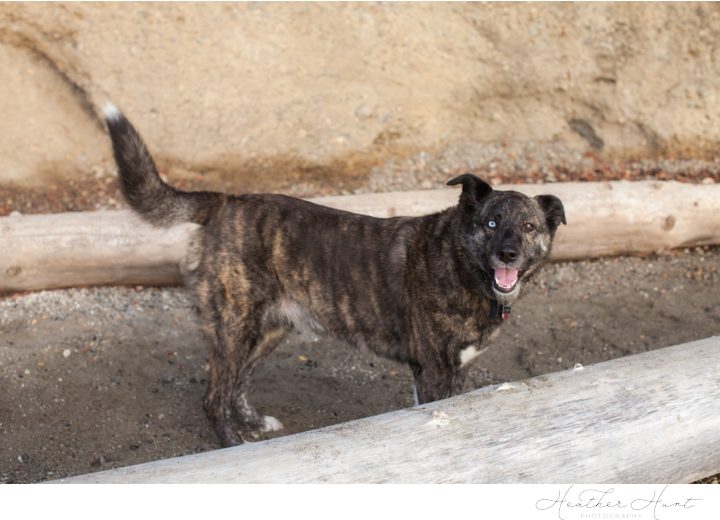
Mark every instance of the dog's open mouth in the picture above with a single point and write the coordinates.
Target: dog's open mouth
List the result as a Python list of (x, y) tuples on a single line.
[(505, 279)]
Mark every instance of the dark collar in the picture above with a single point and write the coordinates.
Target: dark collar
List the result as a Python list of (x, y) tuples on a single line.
[(499, 310)]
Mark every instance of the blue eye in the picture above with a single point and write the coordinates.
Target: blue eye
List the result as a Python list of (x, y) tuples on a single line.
[(491, 224)]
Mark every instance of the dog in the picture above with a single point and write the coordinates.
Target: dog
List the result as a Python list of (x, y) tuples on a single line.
[(427, 291)]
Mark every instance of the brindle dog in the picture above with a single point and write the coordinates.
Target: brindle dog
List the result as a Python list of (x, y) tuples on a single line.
[(426, 291)]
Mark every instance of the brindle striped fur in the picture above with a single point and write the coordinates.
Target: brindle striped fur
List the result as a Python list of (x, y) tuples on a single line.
[(417, 290)]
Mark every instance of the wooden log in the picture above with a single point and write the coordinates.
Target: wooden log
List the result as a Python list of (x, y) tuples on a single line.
[(88, 248), (604, 218), (115, 247), (648, 418)]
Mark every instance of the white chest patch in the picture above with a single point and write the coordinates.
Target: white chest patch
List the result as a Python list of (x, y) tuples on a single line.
[(469, 353)]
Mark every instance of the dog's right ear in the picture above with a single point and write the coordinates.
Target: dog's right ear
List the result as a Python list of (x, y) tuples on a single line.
[(474, 189)]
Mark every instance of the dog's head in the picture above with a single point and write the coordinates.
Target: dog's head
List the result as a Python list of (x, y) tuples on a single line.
[(505, 234)]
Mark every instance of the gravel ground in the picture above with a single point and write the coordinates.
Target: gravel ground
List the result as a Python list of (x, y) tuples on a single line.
[(497, 163), (100, 378), (531, 163)]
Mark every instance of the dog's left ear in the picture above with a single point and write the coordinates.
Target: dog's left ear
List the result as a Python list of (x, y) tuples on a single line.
[(474, 189), (553, 209)]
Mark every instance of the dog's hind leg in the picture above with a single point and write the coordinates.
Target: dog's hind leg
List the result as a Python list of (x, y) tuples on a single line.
[(218, 395), (238, 337), (233, 358), (251, 424)]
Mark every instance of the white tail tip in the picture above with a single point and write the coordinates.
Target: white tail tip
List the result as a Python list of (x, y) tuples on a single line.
[(110, 112)]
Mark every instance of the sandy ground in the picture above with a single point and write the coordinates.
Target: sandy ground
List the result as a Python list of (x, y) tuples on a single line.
[(100, 378)]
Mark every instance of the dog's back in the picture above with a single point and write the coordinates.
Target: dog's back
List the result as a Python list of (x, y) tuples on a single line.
[(310, 264), (279, 254)]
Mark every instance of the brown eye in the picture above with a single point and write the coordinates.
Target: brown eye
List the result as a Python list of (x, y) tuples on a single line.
[(529, 227)]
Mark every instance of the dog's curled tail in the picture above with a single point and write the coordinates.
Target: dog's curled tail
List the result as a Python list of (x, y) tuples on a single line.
[(156, 201)]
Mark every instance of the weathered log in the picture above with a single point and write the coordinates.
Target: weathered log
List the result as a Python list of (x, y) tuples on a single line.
[(88, 248), (115, 247), (647, 418)]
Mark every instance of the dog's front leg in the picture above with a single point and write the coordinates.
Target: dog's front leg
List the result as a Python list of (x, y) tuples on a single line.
[(435, 380)]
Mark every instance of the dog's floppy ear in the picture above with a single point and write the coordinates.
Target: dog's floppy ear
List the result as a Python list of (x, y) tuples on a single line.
[(553, 209), (474, 189)]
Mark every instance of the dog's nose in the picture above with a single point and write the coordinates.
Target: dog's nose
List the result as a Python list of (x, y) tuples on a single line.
[(508, 254)]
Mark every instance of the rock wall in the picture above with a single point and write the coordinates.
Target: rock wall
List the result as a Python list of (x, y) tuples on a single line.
[(308, 88)]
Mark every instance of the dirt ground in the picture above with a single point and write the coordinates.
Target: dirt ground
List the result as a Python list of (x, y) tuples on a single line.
[(100, 378)]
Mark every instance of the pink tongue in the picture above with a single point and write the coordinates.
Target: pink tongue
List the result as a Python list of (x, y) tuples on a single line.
[(506, 278)]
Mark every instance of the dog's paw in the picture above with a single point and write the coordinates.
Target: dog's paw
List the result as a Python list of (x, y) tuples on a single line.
[(271, 424)]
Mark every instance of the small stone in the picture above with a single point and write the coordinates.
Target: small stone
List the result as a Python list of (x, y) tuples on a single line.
[(67, 352), (363, 111), (24, 458)]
